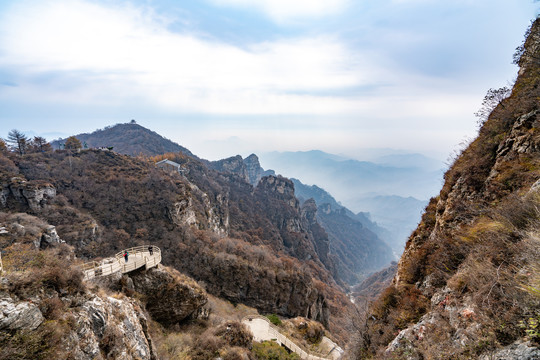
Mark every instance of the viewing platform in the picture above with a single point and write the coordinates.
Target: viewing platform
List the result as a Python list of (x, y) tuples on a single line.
[(139, 256)]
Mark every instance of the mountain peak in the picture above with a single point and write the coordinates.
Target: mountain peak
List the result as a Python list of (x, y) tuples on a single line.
[(130, 139)]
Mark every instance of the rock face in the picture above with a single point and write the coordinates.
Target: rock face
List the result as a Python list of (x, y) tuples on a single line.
[(214, 217), (517, 351), (277, 199), (234, 165), (320, 237), (33, 194), (19, 315), (249, 169), (49, 237), (111, 328), (170, 296)]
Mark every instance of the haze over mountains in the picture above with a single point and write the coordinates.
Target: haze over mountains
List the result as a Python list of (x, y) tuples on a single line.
[(393, 188)]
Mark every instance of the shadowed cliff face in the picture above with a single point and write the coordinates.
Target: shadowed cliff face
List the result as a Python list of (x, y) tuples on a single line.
[(466, 284)]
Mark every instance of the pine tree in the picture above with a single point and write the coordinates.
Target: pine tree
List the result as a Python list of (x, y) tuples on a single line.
[(18, 141)]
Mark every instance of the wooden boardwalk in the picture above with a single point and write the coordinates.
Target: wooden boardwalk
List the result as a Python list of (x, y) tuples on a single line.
[(139, 256), (263, 329)]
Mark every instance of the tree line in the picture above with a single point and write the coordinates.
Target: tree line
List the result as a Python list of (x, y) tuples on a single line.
[(21, 144)]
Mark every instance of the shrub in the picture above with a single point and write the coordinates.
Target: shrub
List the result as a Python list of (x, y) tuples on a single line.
[(235, 334), (270, 350), (206, 347), (274, 319)]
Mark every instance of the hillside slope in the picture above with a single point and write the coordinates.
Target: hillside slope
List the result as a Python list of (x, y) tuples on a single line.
[(129, 139), (248, 245), (468, 283)]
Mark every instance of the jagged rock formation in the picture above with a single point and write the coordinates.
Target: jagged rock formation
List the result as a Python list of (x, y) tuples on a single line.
[(169, 296), (467, 283), (22, 315), (248, 169), (110, 328), (301, 235), (28, 229), (234, 165)]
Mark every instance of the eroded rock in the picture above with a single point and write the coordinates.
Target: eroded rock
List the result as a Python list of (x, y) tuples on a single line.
[(19, 316)]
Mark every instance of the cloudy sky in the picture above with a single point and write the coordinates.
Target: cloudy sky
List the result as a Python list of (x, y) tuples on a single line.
[(226, 77)]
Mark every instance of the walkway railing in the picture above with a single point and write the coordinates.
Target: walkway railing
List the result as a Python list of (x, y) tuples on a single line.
[(274, 333), (138, 256)]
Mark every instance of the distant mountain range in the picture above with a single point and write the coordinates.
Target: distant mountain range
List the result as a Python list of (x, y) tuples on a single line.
[(394, 192), (130, 139), (402, 175)]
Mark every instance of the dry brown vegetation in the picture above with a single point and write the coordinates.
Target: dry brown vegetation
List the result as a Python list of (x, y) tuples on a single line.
[(106, 202), (477, 242)]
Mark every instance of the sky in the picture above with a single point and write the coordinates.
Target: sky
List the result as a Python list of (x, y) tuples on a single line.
[(227, 77)]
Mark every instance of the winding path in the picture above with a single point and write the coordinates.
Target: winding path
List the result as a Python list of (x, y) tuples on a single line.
[(139, 256), (263, 329)]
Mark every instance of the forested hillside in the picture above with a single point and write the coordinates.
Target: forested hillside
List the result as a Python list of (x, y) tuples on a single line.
[(248, 245)]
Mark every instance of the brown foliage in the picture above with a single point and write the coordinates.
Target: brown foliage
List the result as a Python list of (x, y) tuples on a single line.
[(234, 333)]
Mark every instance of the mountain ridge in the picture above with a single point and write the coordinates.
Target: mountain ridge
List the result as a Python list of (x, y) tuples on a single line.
[(129, 139)]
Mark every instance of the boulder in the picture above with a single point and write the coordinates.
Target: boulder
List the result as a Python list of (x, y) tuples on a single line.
[(170, 296), (19, 316)]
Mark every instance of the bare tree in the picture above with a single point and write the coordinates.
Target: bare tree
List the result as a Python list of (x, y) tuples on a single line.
[(18, 141), (493, 98)]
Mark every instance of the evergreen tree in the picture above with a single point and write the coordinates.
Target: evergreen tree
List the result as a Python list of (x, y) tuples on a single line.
[(18, 141)]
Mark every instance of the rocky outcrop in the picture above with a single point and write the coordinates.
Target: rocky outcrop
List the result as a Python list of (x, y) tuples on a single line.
[(516, 351), (170, 296), (34, 194), (248, 169), (26, 228), (214, 217), (110, 328), (254, 169), (49, 237), (280, 187), (22, 315), (320, 237), (234, 165)]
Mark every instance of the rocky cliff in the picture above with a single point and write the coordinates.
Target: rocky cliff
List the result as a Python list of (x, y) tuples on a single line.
[(467, 283), (248, 169)]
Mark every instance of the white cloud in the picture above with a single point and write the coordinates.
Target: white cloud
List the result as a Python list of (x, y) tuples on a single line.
[(287, 10), (129, 54)]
